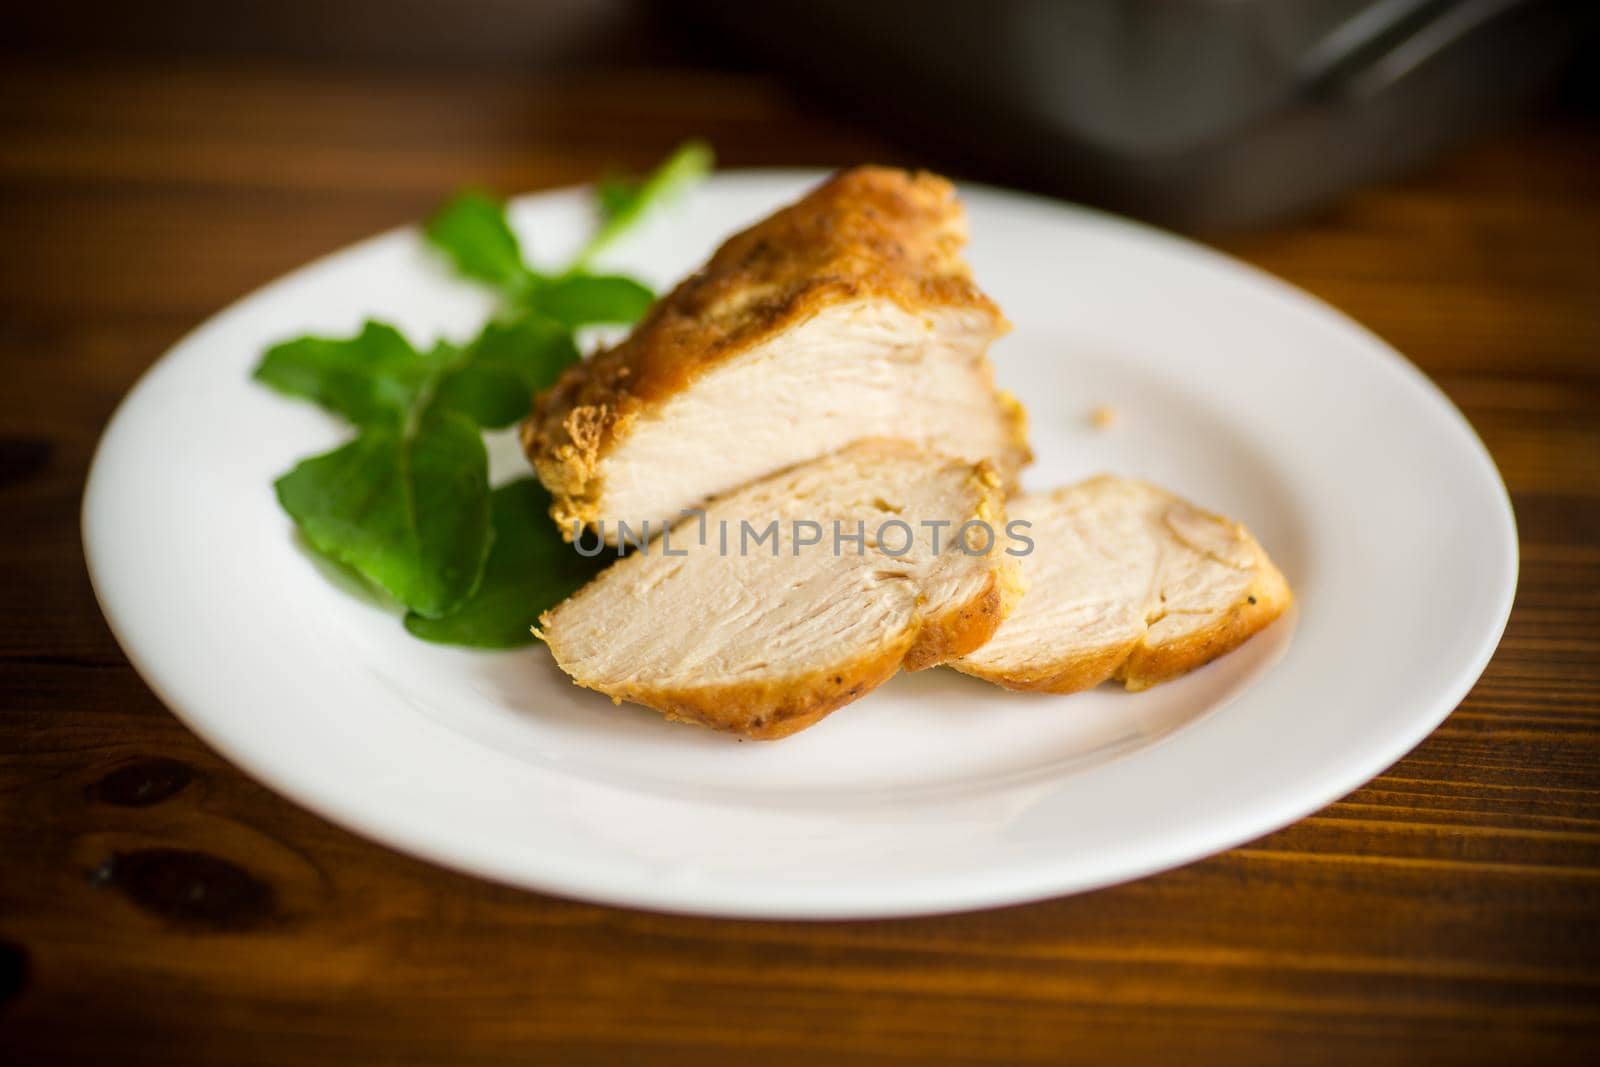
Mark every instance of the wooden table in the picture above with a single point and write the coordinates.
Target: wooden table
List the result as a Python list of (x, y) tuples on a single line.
[(1449, 910)]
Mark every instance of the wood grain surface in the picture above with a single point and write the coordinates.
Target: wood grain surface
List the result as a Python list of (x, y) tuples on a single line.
[(157, 906)]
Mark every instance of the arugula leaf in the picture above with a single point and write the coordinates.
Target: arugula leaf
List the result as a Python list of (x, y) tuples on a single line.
[(406, 504), (510, 361), (472, 230), (590, 299), (612, 194), (622, 204), (410, 512), (372, 378), (530, 570)]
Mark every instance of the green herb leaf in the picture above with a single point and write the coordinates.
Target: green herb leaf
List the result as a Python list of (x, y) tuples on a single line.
[(612, 195), (587, 299), (530, 570), (472, 230), (372, 378), (406, 505), (498, 374), (411, 513), (622, 204)]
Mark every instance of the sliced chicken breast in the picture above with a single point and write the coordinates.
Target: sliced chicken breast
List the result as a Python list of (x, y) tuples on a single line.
[(765, 637), (1127, 582), (849, 314)]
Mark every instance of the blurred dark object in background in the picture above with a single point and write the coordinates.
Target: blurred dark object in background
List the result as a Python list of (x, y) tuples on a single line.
[(1203, 114), (537, 35), (1206, 115)]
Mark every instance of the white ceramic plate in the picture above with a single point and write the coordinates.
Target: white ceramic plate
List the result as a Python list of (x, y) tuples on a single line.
[(936, 792)]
